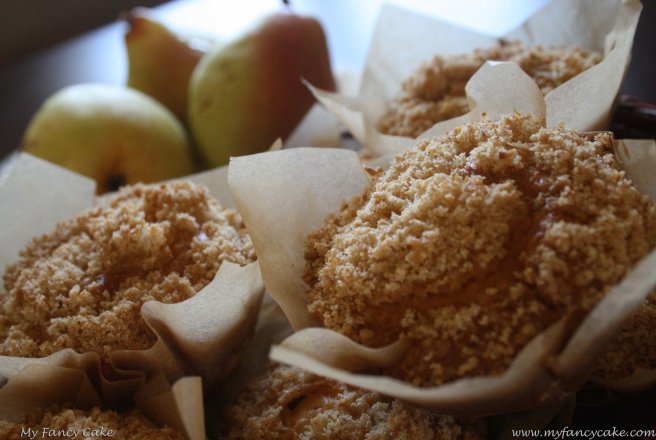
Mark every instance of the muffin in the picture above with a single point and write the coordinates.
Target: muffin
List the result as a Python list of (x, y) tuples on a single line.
[(82, 286), (634, 347), (436, 91), (471, 244), (288, 403), (64, 422)]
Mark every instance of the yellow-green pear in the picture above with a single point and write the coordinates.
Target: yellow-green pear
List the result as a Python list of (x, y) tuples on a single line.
[(245, 95), (160, 63), (112, 134)]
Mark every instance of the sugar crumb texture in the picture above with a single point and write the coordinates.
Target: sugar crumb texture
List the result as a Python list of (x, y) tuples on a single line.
[(82, 286), (436, 90), (634, 347), (287, 403), (471, 244)]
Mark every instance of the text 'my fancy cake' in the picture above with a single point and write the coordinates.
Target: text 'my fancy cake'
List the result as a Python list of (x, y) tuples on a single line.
[(66, 422)]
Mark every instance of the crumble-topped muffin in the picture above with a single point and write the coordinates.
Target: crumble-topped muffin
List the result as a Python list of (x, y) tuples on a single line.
[(634, 347), (436, 91), (63, 422), (471, 244), (83, 285), (288, 403)]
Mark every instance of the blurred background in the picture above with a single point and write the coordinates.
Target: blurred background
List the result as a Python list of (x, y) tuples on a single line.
[(47, 45)]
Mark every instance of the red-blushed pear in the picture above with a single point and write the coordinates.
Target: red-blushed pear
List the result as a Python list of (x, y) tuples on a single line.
[(160, 63), (115, 135), (248, 93)]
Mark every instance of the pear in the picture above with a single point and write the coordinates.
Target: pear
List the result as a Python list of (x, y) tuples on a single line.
[(160, 63), (246, 94), (112, 134)]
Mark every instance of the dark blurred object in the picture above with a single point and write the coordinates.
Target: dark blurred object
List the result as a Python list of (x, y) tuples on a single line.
[(639, 79), (30, 25), (600, 408), (634, 119)]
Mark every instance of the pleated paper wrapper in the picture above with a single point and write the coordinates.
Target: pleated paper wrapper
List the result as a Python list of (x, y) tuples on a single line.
[(403, 40), (284, 196), (202, 336), (273, 327)]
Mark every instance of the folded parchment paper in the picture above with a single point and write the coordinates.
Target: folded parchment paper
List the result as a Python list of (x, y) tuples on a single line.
[(201, 336), (403, 40), (283, 196), (272, 328), (179, 406)]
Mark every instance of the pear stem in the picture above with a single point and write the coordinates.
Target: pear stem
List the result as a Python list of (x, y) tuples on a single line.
[(114, 182)]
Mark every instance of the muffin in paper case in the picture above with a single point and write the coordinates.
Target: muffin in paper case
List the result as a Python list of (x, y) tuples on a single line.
[(285, 196), (403, 40), (201, 336)]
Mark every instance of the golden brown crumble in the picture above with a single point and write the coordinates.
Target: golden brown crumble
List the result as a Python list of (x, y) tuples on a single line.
[(472, 243), (287, 403), (436, 91), (61, 422), (83, 285), (634, 347)]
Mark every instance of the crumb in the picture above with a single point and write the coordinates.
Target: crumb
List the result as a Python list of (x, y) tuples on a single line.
[(473, 243), (436, 91), (56, 421), (82, 286), (634, 347), (288, 403)]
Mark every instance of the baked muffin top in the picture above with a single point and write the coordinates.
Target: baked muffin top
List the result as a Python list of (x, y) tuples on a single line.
[(288, 403), (471, 244), (634, 347), (82, 286), (436, 91)]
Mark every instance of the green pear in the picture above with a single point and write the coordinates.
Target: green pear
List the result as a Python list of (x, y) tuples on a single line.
[(112, 134), (159, 62), (246, 94)]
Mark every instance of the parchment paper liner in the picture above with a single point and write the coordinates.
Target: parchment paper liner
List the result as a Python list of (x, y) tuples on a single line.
[(283, 196), (179, 406), (200, 336), (638, 157), (273, 327), (402, 40)]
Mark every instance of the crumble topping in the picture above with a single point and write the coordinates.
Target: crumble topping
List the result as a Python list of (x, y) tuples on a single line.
[(473, 243), (634, 347), (83, 285), (288, 403), (436, 91)]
